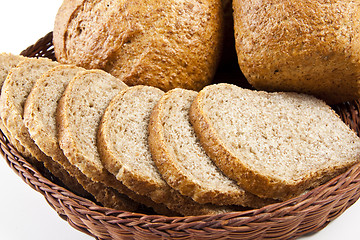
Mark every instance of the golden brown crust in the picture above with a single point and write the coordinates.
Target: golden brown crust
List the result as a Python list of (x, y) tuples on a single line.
[(303, 46), (62, 18), (174, 44)]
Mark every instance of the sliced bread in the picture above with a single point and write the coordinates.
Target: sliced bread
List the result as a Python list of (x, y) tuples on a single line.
[(40, 119), (15, 91), (78, 117), (8, 61), (124, 150), (181, 160), (274, 145)]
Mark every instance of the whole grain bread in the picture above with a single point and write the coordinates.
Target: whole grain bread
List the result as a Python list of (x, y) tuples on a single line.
[(78, 118), (15, 91), (182, 161), (124, 149), (274, 145), (8, 61), (303, 46), (162, 43), (40, 119)]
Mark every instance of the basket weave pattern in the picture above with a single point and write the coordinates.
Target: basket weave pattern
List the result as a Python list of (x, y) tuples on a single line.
[(307, 213)]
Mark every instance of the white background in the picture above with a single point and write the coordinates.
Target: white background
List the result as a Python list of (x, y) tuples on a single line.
[(24, 213)]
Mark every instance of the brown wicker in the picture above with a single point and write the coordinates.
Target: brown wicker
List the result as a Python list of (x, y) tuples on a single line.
[(304, 214)]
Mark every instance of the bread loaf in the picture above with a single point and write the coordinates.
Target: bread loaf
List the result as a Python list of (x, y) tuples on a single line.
[(162, 43), (274, 145), (303, 46)]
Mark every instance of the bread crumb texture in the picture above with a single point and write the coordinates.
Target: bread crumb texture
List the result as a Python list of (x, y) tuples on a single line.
[(285, 138), (184, 164)]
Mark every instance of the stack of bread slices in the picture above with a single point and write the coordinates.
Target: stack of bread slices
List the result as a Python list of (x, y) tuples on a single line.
[(179, 152)]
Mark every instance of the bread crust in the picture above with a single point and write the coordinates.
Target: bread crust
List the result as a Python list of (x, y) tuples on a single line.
[(164, 43), (178, 177), (249, 178), (302, 46)]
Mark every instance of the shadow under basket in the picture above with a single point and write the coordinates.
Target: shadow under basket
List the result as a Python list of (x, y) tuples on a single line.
[(307, 213)]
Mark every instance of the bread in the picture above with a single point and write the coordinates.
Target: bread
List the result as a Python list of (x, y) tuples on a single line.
[(40, 119), (162, 43), (78, 117), (8, 61), (124, 149), (15, 91), (303, 46), (274, 145), (122, 141), (181, 160)]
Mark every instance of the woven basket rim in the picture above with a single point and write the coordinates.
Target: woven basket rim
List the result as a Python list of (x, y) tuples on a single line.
[(306, 213)]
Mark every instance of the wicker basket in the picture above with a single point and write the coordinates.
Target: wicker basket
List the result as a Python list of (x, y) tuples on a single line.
[(304, 214)]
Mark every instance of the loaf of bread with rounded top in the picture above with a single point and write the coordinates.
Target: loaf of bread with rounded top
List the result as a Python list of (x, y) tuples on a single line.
[(274, 145), (302, 46), (15, 91), (124, 149), (40, 119), (8, 61), (181, 160), (78, 118), (162, 43)]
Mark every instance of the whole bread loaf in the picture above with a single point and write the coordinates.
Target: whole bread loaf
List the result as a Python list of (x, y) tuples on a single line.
[(162, 43), (303, 46), (274, 145)]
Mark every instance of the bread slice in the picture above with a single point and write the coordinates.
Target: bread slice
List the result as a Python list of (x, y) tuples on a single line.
[(40, 119), (181, 160), (8, 61), (15, 91), (274, 145), (78, 117), (124, 150)]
